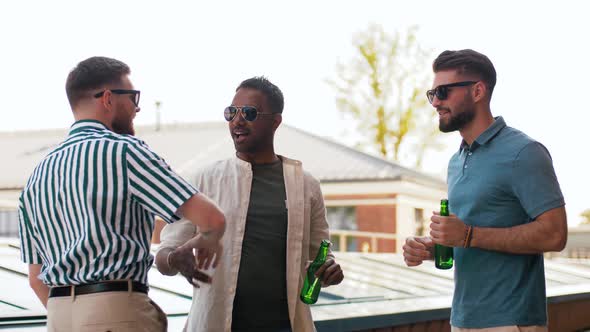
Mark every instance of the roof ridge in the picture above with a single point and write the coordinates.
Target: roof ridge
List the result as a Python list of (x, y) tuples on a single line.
[(139, 126), (366, 155), (365, 165)]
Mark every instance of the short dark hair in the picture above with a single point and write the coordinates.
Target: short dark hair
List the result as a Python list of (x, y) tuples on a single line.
[(273, 94), (467, 62), (92, 74)]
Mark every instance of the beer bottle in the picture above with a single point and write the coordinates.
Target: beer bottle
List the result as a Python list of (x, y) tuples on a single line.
[(443, 256), (312, 284)]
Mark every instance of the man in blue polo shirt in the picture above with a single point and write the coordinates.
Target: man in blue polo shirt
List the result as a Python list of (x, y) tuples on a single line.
[(506, 205)]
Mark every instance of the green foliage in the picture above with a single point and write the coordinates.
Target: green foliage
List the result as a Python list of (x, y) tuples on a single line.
[(586, 216), (383, 88)]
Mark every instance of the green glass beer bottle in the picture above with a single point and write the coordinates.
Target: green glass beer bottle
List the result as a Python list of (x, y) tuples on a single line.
[(443, 256), (312, 284)]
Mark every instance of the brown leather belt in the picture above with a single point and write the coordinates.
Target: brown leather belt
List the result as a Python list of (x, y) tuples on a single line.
[(98, 287)]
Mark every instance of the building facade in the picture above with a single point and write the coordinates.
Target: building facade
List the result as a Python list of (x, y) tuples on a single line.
[(371, 203)]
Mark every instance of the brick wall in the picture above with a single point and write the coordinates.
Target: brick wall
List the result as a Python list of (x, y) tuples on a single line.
[(377, 218), (431, 326)]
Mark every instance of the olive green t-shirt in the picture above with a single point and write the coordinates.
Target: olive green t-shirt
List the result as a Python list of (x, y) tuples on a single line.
[(260, 303)]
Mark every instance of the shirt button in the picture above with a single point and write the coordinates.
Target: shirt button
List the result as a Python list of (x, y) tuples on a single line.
[(465, 166), (470, 153)]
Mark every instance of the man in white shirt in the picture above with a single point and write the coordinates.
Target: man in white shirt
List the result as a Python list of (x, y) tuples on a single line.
[(276, 220)]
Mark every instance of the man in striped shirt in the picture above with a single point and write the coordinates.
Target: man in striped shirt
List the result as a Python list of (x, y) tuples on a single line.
[(87, 211)]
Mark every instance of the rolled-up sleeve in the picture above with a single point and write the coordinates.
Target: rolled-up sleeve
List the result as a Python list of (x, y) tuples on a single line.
[(176, 234)]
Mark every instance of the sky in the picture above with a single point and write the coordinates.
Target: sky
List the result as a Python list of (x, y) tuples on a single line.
[(191, 56)]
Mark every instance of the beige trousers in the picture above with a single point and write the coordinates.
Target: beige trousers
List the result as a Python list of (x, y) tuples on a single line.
[(514, 328), (107, 311)]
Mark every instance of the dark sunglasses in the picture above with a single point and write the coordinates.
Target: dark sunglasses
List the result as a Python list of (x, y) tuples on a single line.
[(442, 91), (134, 94), (249, 113)]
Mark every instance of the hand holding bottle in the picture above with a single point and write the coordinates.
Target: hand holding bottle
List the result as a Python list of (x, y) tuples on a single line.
[(330, 273), (312, 284), (447, 230)]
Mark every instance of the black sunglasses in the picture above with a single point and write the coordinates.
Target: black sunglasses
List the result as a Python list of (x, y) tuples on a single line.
[(249, 113), (134, 94), (442, 91)]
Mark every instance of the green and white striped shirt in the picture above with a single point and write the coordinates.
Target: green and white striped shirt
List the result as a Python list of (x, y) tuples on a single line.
[(87, 211)]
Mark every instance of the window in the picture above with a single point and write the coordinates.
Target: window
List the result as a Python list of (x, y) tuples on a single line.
[(419, 221), (342, 218)]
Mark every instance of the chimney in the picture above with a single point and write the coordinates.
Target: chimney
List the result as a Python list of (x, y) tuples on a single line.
[(158, 105)]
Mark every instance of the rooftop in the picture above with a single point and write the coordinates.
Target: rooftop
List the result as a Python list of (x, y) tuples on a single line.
[(189, 146), (378, 290)]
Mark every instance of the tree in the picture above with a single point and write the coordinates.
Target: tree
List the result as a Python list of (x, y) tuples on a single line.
[(586, 216), (383, 87)]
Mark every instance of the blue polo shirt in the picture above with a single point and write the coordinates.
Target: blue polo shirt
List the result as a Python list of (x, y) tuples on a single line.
[(503, 179)]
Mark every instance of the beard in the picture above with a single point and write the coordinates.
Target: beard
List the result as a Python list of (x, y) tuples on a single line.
[(123, 125), (252, 144), (257, 140), (457, 122)]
